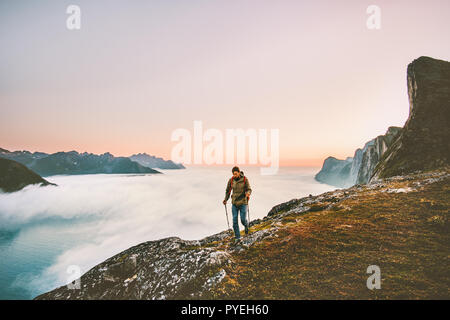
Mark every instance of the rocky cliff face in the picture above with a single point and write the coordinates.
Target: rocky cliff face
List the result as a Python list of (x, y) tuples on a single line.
[(336, 172), (373, 152), (422, 144), (359, 169), (425, 140)]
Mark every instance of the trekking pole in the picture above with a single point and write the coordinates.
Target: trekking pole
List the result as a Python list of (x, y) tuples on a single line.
[(248, 214), (226, 213)]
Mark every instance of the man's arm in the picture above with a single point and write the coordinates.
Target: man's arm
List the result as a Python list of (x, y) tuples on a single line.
[(227, 191), (249, 189)]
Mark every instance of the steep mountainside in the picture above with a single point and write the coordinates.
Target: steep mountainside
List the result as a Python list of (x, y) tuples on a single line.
[(336, 172), (357, 170), (425, 139), (15, 176), (373, 153)]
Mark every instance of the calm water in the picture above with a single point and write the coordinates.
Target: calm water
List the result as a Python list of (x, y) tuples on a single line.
[(88, 218)]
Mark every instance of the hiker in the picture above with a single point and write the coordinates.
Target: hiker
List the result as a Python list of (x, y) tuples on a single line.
[(241, 194)]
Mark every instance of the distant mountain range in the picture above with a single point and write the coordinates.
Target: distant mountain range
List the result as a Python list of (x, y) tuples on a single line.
[(153, 162), (75, 163), (15, 176), (422, 144)]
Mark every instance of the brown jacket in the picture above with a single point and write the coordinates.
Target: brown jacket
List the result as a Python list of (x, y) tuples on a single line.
[(240, 190)]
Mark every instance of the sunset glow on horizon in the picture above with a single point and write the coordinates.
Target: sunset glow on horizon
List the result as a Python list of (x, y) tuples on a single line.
[(137, 71)]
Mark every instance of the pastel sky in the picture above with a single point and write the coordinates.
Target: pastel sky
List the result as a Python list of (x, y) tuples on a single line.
[(138, 70)]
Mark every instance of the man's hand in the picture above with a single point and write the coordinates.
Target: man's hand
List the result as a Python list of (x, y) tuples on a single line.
[(224, 201)]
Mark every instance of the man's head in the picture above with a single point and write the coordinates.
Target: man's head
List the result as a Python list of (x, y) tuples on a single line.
[(236, 172)]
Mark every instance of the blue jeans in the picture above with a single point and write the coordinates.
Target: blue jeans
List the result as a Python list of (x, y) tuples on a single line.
[(235, 210)]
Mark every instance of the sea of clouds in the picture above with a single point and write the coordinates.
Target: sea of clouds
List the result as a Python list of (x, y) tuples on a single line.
[(110, 213)]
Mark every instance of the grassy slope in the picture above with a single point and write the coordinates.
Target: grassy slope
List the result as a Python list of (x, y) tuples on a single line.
[(15, 176), (324, 254)]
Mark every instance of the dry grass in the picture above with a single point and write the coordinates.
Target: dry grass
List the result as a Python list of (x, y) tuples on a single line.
[(325, 253)]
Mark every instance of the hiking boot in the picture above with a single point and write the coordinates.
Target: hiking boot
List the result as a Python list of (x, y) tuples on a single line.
[(246, 229), (237, 241)]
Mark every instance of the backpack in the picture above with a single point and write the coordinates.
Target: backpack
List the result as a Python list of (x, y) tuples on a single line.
[(230, 182)]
